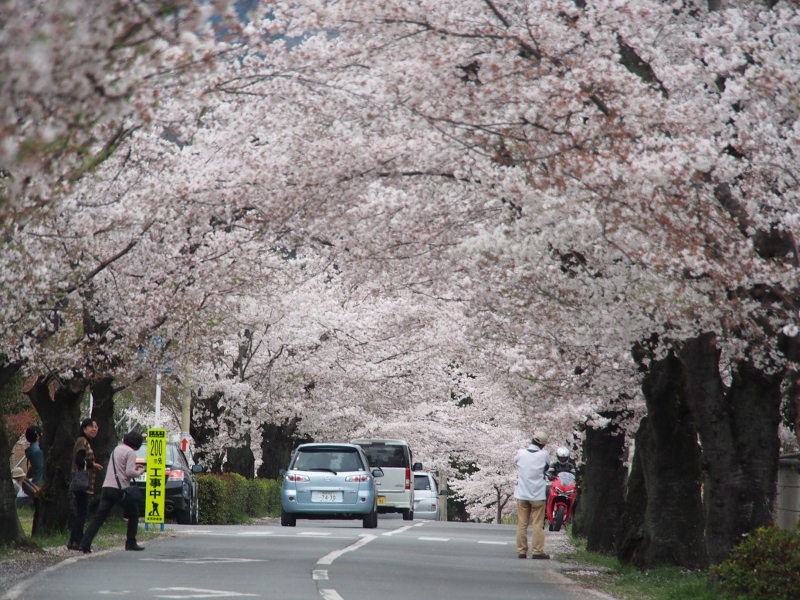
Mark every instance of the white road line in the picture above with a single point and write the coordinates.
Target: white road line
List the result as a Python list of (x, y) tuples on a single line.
[(401, 530), (329, 558), (330, 595), (314, 533), (205, 560), (319, 574), (432, 539), (495, 543), (256, 533), (186, 592)]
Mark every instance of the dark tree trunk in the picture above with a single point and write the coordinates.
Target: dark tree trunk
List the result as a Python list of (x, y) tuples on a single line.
[(630, 534), (670, 461), (59, 407), (10, 528), (277, 444), (204, 429), (241, 460), (103, 412), (738, 430), (601, 499)]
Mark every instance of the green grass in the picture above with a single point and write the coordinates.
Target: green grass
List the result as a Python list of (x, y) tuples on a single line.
[(628, 583), (111, 534)]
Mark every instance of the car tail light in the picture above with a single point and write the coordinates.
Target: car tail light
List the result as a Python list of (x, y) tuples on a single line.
[(357, 478), (433, 506), (408, 478), (176, 474), (296, 477)]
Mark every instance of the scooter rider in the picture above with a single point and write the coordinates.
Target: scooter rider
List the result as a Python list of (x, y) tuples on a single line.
[(561, 464)]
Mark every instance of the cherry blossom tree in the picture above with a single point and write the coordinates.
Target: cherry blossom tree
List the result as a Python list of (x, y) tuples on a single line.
[(371, 194)]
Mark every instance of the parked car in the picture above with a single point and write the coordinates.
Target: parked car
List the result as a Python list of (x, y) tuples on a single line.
[(329, 481), (426, 496), (395, 490), (181, 501)]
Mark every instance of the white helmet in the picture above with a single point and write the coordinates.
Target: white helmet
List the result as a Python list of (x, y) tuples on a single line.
[(562, 454)]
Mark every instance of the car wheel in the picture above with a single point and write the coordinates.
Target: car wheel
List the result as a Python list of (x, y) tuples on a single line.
[(196, 513), (371, 520), (184, 517), (287, 520), (408, 514)]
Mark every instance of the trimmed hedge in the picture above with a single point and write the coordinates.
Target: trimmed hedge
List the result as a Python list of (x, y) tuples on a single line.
[(766, 565), (229, 499)]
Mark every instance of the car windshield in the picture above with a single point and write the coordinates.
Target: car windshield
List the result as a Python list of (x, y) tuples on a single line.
[(422, 482), (385, 456), (317, 459), (566, 478)]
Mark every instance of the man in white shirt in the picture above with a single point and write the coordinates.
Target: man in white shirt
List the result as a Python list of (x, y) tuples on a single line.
[(532, 464)]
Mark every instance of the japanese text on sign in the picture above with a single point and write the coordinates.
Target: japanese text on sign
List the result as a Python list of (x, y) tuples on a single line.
[(156, 475)]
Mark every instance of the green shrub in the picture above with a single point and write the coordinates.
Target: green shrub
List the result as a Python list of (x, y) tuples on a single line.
[(212, 495), (257, 498), (236, 493), (229, 499), (273, 497), (766, 565)]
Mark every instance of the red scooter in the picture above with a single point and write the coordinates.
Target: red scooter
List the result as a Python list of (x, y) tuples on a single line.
[(561, 501)]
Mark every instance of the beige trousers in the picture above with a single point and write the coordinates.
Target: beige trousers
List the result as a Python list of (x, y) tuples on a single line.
[(530, 512)]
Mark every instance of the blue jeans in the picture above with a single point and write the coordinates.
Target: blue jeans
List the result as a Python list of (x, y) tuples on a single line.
[(81, 512)]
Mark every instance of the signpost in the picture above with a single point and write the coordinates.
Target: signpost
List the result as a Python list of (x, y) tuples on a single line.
[(156, 476)]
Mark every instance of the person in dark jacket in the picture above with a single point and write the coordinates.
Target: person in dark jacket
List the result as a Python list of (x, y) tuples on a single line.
[(121, 468), (34, 455), (83, 458), (561, 464)]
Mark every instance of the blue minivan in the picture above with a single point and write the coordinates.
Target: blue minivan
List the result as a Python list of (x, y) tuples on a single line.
[(329, 481)]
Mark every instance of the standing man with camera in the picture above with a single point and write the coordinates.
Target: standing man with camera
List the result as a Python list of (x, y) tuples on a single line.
[(532, 465)]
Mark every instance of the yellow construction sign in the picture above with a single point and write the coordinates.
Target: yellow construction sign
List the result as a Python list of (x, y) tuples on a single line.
[(156, 475)]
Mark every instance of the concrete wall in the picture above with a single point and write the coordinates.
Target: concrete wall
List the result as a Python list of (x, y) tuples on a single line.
[(788, 500)]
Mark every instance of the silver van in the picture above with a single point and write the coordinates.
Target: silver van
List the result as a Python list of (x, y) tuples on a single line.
[(396, 487)]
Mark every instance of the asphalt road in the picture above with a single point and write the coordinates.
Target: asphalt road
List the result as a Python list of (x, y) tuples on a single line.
[(332, 560)]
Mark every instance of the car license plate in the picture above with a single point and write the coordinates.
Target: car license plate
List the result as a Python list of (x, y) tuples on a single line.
[(326, 496), (381, 500)]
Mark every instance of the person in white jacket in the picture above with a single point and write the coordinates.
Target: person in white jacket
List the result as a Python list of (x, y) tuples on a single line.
[(121, 468), (532, 465)]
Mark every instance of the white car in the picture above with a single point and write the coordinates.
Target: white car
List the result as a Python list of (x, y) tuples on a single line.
[(426, 496), (395, 488)]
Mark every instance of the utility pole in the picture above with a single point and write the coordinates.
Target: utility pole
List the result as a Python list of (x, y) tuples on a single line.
[(443, 495)]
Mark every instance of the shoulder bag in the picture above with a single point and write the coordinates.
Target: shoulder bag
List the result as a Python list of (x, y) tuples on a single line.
[(30, 489), (81, 480), (131, 495)]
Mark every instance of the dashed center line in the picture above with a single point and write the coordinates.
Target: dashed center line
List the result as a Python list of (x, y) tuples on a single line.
[(314, 533), (433, 539), (495, 543), (401, 530), (330, 595), (329, 558), (319, 574)]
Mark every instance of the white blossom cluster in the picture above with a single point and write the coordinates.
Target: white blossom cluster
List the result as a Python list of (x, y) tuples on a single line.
[(447, 221)]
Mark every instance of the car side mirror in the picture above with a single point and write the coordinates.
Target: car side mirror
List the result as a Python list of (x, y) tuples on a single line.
[(417, 467), (282, 472), (198, 469), (377, 472)]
